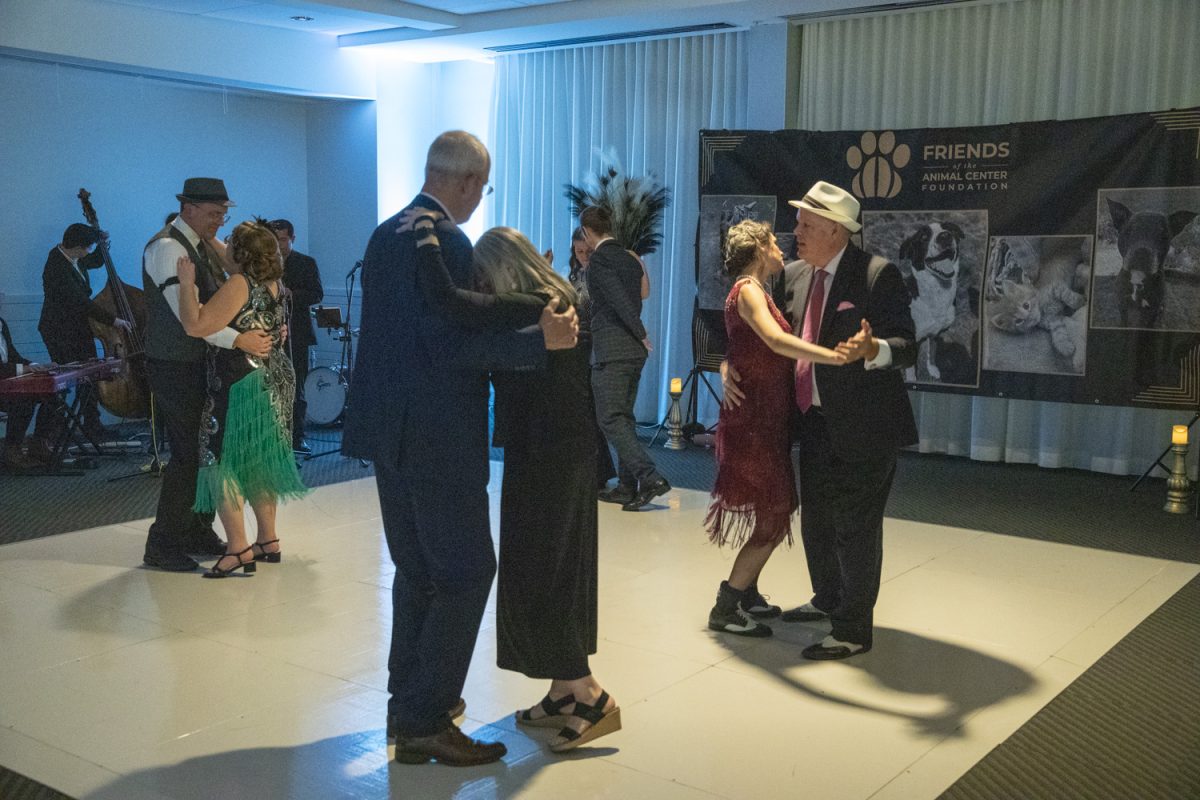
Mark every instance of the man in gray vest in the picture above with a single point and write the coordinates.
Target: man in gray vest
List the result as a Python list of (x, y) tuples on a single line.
[(177, 367)]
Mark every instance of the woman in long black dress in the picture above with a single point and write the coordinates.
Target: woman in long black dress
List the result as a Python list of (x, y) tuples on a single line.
[(546, 596)]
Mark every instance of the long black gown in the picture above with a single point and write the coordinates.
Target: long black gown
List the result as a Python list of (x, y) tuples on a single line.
[(546, 594)]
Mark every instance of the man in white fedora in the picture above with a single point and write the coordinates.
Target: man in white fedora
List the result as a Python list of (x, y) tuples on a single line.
[(850, 421)]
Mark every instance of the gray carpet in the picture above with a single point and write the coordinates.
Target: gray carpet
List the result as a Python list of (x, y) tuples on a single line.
[(118, 489), (1127, 728)]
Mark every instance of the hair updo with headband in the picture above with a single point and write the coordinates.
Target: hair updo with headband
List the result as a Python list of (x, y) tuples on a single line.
[(255, 249), (742, 244)]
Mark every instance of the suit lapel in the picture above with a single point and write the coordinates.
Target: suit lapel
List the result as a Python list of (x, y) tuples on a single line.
[(839, 288)]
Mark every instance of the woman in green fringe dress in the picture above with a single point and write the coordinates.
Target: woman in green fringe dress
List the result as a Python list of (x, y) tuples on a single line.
[(245, 443)]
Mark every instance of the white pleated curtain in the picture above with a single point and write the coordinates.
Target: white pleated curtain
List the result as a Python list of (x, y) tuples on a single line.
[(645, 102), (995, 63)]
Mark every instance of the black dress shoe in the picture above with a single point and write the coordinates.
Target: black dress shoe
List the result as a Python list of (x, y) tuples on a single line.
[(393, 722), (621, 493), (646, 494), (450, 746), (204, 543), (170, 561), (301, 446), (830, 649)]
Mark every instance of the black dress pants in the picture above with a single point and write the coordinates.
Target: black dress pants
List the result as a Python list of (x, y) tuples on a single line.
[(434, 503), (841, 524), (179, 391), (299, 405)]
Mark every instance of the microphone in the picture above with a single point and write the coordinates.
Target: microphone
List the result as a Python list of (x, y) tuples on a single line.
[(357, 266)]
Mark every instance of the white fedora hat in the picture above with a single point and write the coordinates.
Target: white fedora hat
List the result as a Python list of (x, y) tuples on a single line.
[(827, 200)]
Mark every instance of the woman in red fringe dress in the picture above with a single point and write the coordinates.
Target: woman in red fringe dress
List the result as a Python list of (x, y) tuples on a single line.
[(755, 492)]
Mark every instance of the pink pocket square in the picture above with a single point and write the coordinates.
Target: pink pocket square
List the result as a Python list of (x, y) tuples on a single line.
[(845, 305)]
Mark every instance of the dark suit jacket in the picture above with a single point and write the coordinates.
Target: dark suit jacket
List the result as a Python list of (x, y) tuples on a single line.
[(614, 280), (8, 367), (68, 304), (415, 370), (301, 277), (867, 410)]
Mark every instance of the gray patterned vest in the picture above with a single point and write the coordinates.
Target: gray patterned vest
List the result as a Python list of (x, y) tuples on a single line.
[(166, 339)]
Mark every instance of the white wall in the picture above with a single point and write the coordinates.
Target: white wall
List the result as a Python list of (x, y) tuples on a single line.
[(415, 103), (343, 200), (148, 41)]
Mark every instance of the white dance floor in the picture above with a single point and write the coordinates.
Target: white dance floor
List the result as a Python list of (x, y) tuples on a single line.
[(125, 683)]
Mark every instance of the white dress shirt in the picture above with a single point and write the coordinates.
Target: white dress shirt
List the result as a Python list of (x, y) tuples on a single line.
[(160, 260)]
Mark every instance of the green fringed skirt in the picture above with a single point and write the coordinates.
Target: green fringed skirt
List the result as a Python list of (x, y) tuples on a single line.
[(256, 457)]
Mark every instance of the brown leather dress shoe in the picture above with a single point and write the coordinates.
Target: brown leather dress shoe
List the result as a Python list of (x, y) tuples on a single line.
[(393, 722), (450, 746)]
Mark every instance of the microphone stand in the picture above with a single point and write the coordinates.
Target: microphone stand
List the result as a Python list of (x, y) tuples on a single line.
[(346, 362)]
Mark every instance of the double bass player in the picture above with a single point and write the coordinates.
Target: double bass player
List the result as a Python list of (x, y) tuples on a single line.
[(66, 308)]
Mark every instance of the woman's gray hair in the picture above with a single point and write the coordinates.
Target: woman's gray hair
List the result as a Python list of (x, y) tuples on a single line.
[(506, 261), (458, 153)]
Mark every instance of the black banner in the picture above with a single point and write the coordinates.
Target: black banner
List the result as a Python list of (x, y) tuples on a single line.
[(1047, 260)]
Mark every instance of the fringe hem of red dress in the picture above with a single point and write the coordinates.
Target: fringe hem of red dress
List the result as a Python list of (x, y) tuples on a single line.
[(738, 525)]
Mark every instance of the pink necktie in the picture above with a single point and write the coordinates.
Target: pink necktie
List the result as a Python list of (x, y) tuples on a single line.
[(812, 327)]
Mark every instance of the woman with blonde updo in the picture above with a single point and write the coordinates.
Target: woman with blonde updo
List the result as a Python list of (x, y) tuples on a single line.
[(755, 494), (245, 439)]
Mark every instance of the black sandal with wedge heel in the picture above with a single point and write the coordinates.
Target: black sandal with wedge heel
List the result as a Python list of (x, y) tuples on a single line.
[(248, 567), (260, 553), (600, 723), (554, 717)]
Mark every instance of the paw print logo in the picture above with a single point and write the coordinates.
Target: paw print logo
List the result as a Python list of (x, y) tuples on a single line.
[(877, 161)]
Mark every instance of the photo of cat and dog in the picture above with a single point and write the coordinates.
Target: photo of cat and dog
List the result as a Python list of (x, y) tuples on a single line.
[(941, 256), (1147, 270)]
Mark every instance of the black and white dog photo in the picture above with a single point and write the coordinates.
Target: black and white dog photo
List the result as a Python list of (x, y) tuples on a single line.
[(931, 253), (1147, 273), (941, 256)]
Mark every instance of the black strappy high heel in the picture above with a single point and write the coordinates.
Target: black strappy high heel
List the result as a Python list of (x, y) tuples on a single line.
[(600, 723), (262, 555), (248, 567), (552, 710)]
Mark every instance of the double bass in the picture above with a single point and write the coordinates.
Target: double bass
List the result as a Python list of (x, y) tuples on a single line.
[(126, 395)]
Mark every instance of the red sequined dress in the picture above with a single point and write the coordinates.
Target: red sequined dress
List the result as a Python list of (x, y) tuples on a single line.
[(754, 466)]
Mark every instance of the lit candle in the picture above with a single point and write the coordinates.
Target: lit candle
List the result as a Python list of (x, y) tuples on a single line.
[(677, 388), (1179, 434)]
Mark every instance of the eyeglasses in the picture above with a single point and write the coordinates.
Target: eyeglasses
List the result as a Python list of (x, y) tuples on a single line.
[(214, 215), (488, 188)]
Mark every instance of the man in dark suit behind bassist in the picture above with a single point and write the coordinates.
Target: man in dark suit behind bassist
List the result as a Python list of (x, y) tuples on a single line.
[(850, 421), (66, 310), (303, 280)]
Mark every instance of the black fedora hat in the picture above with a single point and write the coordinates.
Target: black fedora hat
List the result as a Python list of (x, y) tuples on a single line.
[(205, 190)]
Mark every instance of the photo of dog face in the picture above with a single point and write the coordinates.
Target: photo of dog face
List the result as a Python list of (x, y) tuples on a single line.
[(1143, 240), (1146, 272), (940, 254)]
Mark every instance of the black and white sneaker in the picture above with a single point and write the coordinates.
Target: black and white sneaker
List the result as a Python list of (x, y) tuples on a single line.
[(736, 621), (756, 605)]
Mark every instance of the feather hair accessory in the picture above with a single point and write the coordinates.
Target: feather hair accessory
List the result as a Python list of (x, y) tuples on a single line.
[(636, 205)]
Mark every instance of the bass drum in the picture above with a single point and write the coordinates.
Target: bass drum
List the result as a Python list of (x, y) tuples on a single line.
[(325, 392)]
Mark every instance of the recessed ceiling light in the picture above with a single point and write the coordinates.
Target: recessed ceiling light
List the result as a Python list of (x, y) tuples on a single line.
[(301, 18)]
